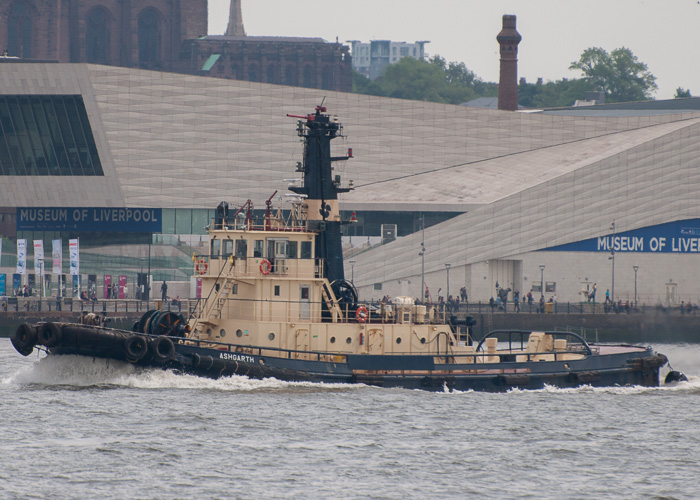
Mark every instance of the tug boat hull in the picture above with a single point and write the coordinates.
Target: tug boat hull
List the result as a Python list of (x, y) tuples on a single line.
[(622, 366)]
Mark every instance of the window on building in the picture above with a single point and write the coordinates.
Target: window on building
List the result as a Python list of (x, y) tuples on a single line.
[(404, 51), (46, 135), (96, 38), (19, 31), (149, 36), (290, 76), (252, 73), (272, 74), (308, 77), (327, 78)]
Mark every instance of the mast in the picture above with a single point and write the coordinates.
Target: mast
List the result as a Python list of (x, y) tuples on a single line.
[(322, 188)]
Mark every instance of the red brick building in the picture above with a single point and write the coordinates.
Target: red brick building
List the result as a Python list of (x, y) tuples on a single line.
[(166, 35)]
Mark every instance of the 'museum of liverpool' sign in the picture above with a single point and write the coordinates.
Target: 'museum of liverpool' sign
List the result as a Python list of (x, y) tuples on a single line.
[(127, 220), (672, 237)]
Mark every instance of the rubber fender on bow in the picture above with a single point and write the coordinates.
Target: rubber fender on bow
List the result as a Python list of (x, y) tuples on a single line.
[(24, 339), (196, 360), (162, 349), (135, 348), (49, 334), (675, 376)]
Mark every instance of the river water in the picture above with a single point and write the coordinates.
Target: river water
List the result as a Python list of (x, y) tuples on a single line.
[(80, 428)]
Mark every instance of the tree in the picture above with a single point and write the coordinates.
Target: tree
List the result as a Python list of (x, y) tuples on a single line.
[(434, 80), (681, 92), (620, 75), (559, 94)]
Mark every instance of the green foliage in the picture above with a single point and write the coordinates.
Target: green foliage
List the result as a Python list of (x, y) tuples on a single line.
[(619, 74), (434, 80), (559, 94), (681, 92)]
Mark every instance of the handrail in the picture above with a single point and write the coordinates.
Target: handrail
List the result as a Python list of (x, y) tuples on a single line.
[(455, 365), (560, 334)]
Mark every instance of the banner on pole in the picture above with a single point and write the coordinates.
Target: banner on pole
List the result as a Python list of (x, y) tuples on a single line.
[(21, 256), (57, 255), (74, 250), (38, 257)]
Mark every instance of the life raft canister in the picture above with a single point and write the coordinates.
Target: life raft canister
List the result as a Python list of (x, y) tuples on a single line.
[(201, 267), (265, 267), (361, 314)]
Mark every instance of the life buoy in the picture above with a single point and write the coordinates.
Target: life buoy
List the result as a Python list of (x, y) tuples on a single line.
[(361, 314), (201, 266), (265, 267)]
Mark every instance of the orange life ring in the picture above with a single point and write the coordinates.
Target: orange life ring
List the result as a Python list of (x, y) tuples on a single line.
[(201, 266), (265, 267), (361, 314)]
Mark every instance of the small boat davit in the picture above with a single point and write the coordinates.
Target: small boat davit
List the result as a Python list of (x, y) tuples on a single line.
[(275, 303)]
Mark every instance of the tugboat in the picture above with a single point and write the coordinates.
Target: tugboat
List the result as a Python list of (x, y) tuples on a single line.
[(276, 304)]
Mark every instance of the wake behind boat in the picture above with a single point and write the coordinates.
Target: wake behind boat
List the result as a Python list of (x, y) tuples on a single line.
[(276, 304)]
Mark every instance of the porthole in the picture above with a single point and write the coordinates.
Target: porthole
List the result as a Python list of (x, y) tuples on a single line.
[(271, 336), (239, 333), (422, 340), (348, 340), (222, 333), (332, 340), (208, 332), (398, 340)]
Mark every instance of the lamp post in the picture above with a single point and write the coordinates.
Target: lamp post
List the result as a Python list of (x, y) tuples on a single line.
[(612, 258), (422, 268), (636, 268), (447, 268), (542, 280), (352, 272)]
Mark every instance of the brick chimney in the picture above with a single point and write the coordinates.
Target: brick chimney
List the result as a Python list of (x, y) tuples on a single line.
[(508, 39), (235, 20)]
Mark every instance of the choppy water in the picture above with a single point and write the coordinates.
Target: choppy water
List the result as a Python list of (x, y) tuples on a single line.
[(77, 428)]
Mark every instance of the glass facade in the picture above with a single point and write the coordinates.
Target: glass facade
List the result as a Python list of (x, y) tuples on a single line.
[(46, 135)]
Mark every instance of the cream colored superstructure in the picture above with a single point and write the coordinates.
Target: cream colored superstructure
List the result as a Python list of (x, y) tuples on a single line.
[(265, 288)]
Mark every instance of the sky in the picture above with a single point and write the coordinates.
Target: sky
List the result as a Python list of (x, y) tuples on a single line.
[(663, 34)]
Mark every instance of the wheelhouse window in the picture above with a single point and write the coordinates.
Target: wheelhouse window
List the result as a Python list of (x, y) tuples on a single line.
[(241, 249), (227, 249), (306, 250), (292, 250), (215, 248)]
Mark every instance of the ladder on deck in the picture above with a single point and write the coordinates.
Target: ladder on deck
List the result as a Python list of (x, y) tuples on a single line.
[(212, 306), (331, 302)]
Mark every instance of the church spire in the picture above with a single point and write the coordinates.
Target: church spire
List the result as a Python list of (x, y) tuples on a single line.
[(235, 20)]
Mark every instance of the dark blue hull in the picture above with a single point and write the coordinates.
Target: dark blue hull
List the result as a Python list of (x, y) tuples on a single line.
[(628, 366)]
